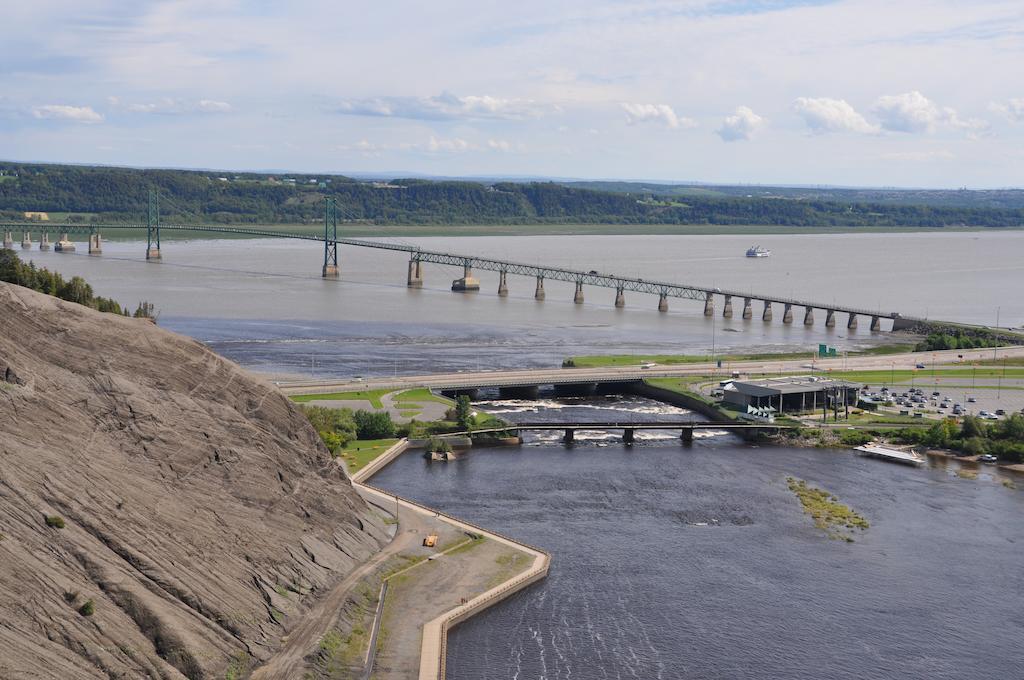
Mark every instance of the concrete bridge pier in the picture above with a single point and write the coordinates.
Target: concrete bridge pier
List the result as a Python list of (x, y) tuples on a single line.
[(876, 324), (787, 314), (748, 310), (539, 293), (8, 241), (569, 437), (467, 282), (627, 436), (26, 241), (766, 315), (663, 303), (687, 435), (830, 318), (620, 298), (95, 244), (578, 296), (709, 304), (64, 245), (727, 307), (153, 253), (851, 322), (503, 284), (808, 316), (44, 241), (415, 278)]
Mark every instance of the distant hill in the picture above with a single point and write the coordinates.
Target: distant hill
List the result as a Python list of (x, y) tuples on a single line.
[(102, 194), (958, 198)]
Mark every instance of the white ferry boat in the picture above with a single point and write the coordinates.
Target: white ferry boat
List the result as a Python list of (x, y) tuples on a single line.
[(758, 251)]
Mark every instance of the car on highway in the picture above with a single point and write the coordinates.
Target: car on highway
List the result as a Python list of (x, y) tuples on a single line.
[(920, 366)]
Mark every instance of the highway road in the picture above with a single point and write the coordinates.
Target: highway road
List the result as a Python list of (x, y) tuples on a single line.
[(798, 366)]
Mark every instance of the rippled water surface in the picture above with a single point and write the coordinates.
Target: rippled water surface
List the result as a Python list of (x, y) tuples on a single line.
[(263, 303), (675, 562)]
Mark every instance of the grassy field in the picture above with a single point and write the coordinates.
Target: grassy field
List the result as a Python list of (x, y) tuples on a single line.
[(361, 452), (601, 361), (924, 375), (421, 394), (372, 396)]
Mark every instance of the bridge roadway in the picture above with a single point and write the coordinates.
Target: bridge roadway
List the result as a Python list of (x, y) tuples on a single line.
[(626, 374), (417, 256)]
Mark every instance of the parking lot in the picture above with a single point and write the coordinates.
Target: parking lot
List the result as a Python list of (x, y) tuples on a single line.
[(939, 397)]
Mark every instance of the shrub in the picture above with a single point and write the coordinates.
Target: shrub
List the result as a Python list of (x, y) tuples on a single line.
[(975, 446), (375, 425), (88, 608), (71, 596), (854, 437), (55, 521)]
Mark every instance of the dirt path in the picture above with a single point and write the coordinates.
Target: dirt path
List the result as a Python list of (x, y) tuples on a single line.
[(310, 629)]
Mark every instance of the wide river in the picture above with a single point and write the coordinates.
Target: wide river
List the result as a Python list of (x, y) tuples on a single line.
[(263, 303), (698, 562), (669, 562)]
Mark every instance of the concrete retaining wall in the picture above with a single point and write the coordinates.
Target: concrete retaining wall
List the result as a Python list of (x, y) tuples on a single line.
[(434, 648), (683, 401), (380, 462)]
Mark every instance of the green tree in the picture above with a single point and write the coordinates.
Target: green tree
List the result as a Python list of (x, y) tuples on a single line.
[(972, 427), (374, 425), (463, 412)]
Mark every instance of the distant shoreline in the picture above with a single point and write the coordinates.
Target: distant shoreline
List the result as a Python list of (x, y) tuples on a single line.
[(439, 230)]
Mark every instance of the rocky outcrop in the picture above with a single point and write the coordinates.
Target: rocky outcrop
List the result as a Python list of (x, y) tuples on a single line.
[(200, 511)]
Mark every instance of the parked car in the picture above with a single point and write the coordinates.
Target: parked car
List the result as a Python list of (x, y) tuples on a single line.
[(1000, 412), (971, 400), (987, 458)]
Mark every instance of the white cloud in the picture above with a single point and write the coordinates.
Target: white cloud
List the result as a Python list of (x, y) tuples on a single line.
[(170, 106), (919, 156), (213, 106), (446, 106), (78, 114), (499, 145), (741, 125), (912, 112), (823, 114), (909, 112), (453, 145), (1013, 110), (656, 113)]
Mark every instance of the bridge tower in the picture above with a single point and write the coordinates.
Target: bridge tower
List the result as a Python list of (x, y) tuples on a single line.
[(330, 270), (152, 227)]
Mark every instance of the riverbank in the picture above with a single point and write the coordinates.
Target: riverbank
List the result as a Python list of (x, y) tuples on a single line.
[(434, 601)]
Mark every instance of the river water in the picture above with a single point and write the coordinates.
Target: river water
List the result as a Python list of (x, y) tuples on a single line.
[(262, 302), (669, 561), (697, 562)]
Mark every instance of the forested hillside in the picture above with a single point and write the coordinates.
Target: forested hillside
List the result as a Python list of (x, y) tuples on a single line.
[(102, 194)]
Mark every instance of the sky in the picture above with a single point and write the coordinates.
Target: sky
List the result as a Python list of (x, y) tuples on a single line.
[(912, 93)]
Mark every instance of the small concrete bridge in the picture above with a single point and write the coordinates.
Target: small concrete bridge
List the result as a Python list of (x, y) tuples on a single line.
[(468, 265), (629, 428)]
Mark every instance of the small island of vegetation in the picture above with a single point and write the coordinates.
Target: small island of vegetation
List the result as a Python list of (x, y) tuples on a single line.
[(838, 521)]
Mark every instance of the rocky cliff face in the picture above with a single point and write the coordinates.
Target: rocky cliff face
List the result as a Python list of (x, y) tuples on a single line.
[(199, 509)]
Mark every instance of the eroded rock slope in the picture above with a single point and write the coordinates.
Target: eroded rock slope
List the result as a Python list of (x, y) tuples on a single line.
[(200, 510)]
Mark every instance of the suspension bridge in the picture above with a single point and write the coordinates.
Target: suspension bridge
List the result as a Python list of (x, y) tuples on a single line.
[(330, 241)]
